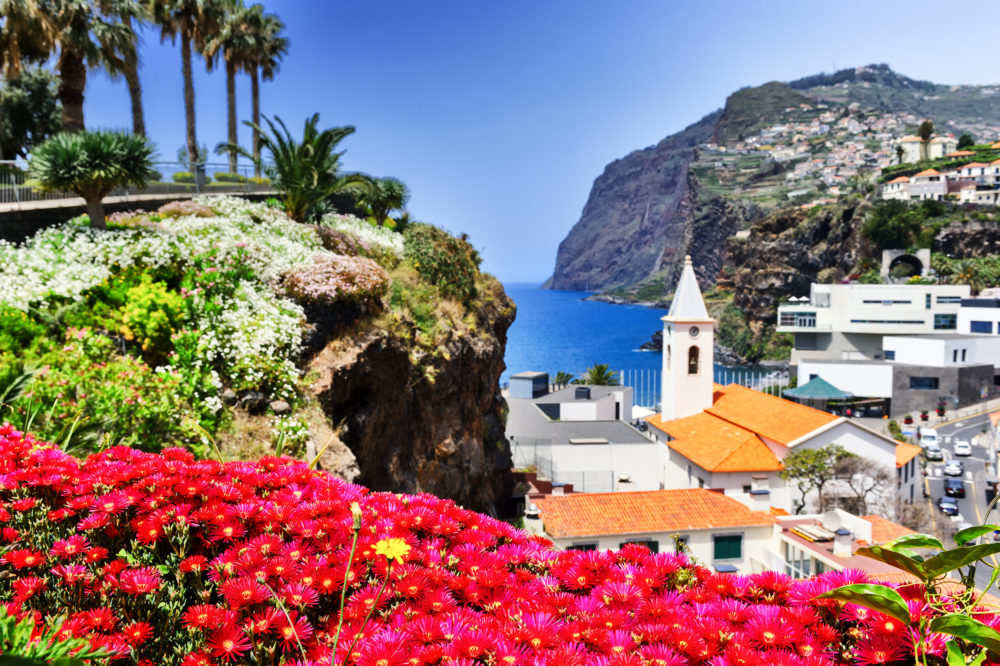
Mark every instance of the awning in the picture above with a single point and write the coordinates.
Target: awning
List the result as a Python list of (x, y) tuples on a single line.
[(818, 389)]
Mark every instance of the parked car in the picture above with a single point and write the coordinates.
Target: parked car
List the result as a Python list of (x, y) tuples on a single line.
[(954, 487), (928, 437), (948, 506), (963, 448), (933, 452), (953, 468)]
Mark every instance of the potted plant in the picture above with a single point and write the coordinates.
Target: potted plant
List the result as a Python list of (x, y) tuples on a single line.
[(907, 419), (924, 414), (940, 408)]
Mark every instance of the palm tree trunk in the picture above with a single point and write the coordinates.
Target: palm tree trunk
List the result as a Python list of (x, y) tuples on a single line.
[(192, 139), (131, 73), (231, 108), (95, 211), (255, 107), (72, 81)]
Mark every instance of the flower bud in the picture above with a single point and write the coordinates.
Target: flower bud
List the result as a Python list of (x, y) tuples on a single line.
[(356, 515)]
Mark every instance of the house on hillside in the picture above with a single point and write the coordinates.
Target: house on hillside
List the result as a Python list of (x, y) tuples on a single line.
[(928, 184), (940, 146), (734, 439)]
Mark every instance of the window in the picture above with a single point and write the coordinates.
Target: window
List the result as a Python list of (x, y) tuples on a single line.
[(654, 546), (927, 302), (747, 489), (701, 482), (948, 299), (888, 321), (963, 355), (727, 547), (582, 546), (890, 354), (923, 382), (954, 356), (980, 327), (693, 360), (668, 357), (875, 301), (945, 322)]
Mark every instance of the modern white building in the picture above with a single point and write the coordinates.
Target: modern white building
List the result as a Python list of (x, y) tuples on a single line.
[(979, 315), (848, 321)]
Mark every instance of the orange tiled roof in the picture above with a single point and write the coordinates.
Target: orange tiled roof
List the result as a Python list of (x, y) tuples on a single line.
[(927, 172), (775, 511), (716, 445), (594, 514), (884, 530), (974, 164), (906, 452), (775, 418), (960, 153), (994, 418), (901, 179), (911, 138)]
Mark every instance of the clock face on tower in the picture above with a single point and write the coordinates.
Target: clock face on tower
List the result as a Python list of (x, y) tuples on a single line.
[(693, 331)]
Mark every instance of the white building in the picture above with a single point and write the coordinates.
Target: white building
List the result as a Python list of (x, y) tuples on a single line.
[(848, 321), (734, 439), (979, 315)]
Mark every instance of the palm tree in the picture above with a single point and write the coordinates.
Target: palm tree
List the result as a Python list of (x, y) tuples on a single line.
[(600, 374), (385, 195), (26, 33), (128, 67), (235, 43), (194, 21), (307, 170), (562, 378), (270, 47), (88, 33), (91, 164)]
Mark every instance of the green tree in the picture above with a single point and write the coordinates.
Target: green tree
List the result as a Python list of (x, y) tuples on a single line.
[(812, 469), (307, 171), (925, 132), (91, 164), (236, 45), (88, 33), (31, 111), (194, 21), (891, 224), (26, 35), (966, 141), (899, 154), (384, 196), (600, 374), (270, 47), (126, 65), (562, 378)]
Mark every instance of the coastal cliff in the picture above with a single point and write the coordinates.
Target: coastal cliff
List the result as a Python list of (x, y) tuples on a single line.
[(420, 419)]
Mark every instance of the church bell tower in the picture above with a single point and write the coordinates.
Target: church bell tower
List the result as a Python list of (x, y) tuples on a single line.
[(688, 351)]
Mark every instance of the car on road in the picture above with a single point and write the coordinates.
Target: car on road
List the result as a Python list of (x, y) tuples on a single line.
[(953, 468), (933, 452), (954, 488), (963, 448), (948, 506)]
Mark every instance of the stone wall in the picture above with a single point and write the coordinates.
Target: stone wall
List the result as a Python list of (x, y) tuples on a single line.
[(965, 382)]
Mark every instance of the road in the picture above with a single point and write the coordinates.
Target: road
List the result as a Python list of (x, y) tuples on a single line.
[(972, 508)]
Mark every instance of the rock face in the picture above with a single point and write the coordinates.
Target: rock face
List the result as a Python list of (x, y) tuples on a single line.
[(788, 251), (421, 424), (635, 219), (969, 238)]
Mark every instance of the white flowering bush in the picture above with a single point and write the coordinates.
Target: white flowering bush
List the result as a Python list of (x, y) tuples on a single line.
[(334, 277), (289, 433), (379, 239)]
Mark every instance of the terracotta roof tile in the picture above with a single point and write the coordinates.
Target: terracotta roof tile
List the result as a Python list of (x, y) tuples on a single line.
[(927, 172), (775, 418), (906, 452), (594, 514), (716, 445), (901, 179), (884, 530), (973, 165), (960, 153)]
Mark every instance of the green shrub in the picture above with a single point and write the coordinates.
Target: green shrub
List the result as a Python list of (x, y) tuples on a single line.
[(871, 277), (17, 329), (449, 263), (152, 314), (188, 178), (257, 180), (229, 177)]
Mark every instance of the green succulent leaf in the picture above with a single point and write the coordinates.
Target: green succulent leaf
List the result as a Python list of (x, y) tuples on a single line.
[(898, 560), (876, 597), (915, 541), (963, 537), (968, 629), (956, 558)]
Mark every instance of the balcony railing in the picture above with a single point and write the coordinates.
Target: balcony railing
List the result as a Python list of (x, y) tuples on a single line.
[(15, 189)]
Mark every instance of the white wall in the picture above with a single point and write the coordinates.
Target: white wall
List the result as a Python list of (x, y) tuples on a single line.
[(872, 380), (755, 540), (968, 314), (941, 353), (601, 409), (642, 463)]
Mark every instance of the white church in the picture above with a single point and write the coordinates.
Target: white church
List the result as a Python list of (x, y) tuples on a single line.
[(732, 438)]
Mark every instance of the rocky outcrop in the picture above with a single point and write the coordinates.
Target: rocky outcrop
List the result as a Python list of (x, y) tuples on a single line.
[(969, 238), (419, 420), (786, 252), (635, 219)]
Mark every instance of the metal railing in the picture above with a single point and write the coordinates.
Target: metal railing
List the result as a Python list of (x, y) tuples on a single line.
[(172, 178)]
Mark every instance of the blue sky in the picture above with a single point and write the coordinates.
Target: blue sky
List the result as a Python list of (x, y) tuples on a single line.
[(499, 116)]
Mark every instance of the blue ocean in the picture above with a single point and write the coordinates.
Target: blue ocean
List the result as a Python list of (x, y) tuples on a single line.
[(558, 330)]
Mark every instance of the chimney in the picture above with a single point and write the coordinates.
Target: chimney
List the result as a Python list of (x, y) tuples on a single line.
[(558, 489), (759, 482), (760, 500), (842, 543), (582, 393)]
